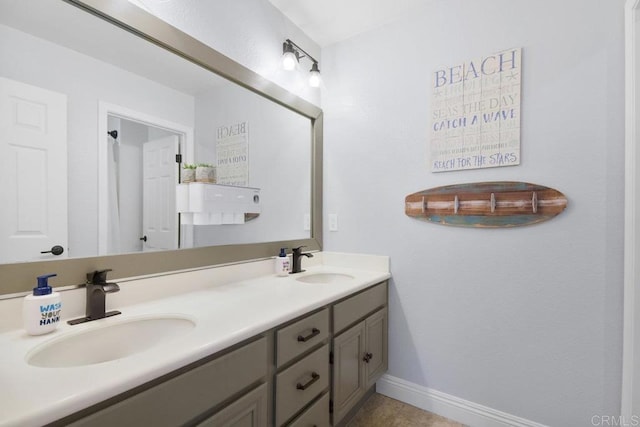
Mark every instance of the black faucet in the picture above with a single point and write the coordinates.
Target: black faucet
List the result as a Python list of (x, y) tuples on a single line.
[(297, 258), (97, 289)]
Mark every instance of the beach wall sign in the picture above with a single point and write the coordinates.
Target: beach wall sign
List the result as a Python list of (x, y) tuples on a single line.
[(475, 113)]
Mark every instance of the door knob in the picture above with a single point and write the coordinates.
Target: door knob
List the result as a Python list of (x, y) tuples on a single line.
[(143, 238), (56, 250)]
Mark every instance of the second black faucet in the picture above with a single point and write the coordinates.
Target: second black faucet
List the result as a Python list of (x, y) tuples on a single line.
[(296, 264)]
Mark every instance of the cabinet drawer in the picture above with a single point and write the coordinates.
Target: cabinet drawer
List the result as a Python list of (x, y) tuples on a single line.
[(300, 336), (248, 411), (316, 416), (301, 383), (349, 311), (182, 398)]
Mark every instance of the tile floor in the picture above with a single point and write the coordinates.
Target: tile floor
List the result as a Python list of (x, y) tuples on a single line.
[(382, 411)]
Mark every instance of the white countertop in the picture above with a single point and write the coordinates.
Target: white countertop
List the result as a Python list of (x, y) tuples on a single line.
[(225, 314)]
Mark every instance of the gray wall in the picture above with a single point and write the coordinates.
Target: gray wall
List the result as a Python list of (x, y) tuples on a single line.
[(526, 320)]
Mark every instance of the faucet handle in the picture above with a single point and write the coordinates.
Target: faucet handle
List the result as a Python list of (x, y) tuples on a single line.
[(98, 276), (298, 249)]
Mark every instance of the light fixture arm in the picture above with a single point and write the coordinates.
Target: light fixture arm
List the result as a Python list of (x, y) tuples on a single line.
[(306, 54)]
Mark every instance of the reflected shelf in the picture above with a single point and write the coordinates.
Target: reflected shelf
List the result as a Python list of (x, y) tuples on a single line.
[(201, 203)]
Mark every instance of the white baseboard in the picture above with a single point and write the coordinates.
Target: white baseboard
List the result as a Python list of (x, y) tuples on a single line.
[(446, 405)]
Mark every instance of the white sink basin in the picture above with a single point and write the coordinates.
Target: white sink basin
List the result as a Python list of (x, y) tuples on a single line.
[(108, 342), (325, 278)]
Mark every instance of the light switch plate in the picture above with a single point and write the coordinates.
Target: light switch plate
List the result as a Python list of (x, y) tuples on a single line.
[(333, 222)]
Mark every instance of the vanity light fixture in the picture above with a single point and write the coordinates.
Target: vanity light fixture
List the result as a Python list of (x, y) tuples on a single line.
[(291, 55)]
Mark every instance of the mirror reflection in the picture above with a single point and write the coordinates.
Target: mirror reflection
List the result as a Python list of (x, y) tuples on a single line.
[(91, 121)]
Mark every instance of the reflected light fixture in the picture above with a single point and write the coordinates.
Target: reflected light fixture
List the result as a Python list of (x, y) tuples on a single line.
[(291, 55)]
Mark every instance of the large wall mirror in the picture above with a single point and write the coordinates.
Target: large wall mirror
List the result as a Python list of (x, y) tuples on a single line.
[(101, 105)]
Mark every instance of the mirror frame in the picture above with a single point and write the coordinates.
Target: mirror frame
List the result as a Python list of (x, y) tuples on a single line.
[(21, 277)]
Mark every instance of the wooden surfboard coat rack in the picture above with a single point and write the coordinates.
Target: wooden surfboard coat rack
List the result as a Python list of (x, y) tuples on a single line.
[(486, 204)]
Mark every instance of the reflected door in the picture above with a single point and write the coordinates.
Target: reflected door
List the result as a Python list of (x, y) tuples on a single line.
[(33, 172), (160, 176)]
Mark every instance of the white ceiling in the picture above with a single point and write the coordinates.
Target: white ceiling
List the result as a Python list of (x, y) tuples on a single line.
[(331, 21)]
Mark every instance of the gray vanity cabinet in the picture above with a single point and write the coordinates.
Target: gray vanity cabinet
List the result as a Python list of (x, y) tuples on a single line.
[(190, 395), (360, 351), (358, 359), (311, 371)]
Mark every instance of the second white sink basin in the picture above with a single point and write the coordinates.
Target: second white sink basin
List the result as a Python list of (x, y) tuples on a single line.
[(325, 278), (109, 342)]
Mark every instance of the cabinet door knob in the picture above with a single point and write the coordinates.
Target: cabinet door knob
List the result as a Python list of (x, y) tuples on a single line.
[(314, 377), (367, 357), (313, 333)]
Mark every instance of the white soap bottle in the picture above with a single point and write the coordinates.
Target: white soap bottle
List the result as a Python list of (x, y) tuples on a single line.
[(41, 310), (282, 263)]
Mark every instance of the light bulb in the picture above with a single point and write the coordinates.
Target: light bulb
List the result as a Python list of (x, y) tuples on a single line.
[(314, 76), (314, 79), (289, 61)]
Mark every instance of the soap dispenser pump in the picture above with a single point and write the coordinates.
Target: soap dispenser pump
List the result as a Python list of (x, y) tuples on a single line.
[(42, 309), (282, 263)]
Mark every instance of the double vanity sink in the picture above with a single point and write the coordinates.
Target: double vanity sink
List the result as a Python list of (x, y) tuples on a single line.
[(82, 365), (121, 338)]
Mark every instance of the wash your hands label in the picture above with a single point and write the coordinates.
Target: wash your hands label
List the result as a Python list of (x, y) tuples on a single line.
[(42, 309), (50, 313)]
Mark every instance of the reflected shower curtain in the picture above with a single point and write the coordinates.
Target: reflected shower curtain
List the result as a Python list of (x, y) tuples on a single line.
[(113, 237)]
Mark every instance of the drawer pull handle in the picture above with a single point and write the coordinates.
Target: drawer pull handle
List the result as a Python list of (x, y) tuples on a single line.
[(367, 357), (313, 333), (314, 377)]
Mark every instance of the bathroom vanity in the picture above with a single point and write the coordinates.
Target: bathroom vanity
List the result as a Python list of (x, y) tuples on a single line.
[(263, 350)]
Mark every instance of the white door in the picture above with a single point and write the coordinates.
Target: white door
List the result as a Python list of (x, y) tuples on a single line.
[(33, 172), (160, 176)]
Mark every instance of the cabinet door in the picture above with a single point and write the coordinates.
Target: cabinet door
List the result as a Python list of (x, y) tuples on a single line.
[(248, 411), (348, 370), (375, 355)]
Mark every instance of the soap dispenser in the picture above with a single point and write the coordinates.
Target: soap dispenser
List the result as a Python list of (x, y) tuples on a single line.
[(41, 310), (282, 263)]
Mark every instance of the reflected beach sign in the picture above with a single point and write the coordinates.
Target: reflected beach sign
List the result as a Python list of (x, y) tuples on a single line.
[(475, 113), (232, 154)]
